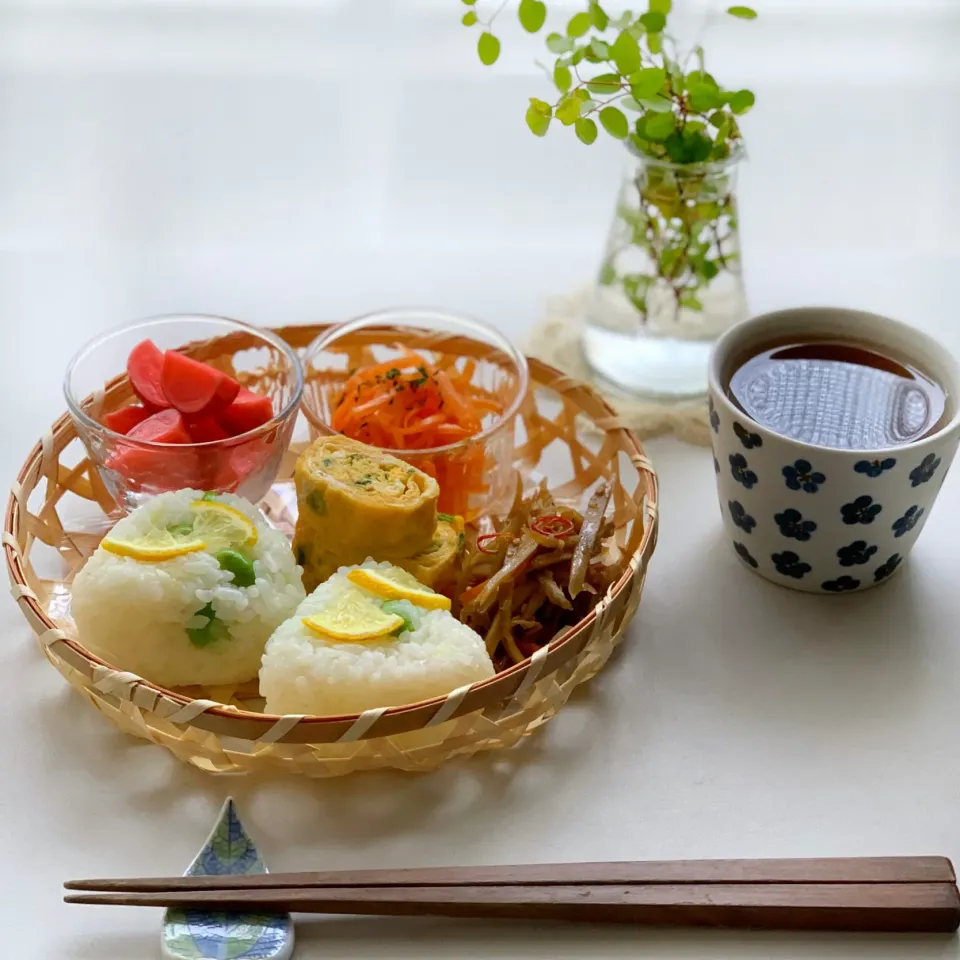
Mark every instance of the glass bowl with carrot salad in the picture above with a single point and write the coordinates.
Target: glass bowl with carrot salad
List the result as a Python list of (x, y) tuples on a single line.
[(185, 400), (441, 392)]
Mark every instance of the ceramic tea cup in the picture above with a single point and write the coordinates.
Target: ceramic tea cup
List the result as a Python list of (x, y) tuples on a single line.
[(815, 518)]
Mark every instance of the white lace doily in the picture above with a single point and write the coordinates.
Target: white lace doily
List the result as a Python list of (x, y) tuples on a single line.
[(556, 340)]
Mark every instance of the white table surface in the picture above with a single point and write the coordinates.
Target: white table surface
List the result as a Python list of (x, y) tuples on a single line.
[(290, 161)]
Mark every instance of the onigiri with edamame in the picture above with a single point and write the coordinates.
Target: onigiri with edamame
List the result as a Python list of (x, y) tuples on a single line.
[(186, 590), (370, 636)]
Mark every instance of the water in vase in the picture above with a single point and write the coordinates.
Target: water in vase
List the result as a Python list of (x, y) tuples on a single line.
[(670, 282)]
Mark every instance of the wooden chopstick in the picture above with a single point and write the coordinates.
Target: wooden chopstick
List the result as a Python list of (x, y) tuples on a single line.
[(854, 870), (876, 906)]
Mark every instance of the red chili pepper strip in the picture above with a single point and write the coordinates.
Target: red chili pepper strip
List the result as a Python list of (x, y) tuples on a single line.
[(553, 526), (471, 593), (487, 538)]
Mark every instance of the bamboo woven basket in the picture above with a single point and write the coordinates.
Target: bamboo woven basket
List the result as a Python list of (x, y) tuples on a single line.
[(59, 509)]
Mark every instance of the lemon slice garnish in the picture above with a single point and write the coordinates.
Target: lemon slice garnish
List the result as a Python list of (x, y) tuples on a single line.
[(155, 546), (353, 618), (215, 527), (219, 526), (397, 584)]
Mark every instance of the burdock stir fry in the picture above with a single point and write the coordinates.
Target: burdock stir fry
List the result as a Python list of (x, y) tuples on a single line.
[(541, 569)]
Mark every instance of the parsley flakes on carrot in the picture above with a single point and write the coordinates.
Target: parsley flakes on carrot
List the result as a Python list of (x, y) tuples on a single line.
[(409, 403)]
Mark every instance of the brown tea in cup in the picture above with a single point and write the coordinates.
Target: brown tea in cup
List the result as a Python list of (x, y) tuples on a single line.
[(836, 393)]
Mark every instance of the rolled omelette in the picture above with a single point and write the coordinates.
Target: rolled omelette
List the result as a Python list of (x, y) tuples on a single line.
[(356, 502), (435, 567), (318, 564)]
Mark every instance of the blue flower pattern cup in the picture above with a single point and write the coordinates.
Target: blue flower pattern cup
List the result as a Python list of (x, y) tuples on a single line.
[(818, 519)]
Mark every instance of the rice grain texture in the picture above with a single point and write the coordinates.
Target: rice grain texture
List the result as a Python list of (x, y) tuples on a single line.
[(304, 673), (135, 615)]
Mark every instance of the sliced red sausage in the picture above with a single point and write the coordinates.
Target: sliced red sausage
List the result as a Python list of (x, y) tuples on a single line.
[(144, 369), (194, 387), (167, 426), (247, 412), (158, 469), (204, 428), (238, 463), (126, 418)]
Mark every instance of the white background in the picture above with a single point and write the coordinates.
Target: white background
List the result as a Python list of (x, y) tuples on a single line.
[(293, 161)]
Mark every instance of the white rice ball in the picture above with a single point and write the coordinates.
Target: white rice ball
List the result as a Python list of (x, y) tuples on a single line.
[(304, 673), (135, 615)]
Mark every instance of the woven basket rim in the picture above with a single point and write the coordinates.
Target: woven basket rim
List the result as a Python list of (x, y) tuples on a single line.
[(539, 371)]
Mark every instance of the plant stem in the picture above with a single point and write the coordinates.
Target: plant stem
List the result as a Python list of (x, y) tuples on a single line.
[(685, 254), (494, 15)]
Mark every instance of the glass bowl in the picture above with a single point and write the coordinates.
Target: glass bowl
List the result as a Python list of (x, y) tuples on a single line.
[(134, 470), (475, 473)]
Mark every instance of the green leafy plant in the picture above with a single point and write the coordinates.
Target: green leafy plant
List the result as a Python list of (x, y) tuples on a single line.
[(626, 76)]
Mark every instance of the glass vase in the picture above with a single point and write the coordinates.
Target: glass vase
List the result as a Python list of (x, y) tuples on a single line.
[(670, 282)]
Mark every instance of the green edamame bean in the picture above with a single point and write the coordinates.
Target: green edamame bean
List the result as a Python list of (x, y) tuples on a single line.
[(237, 563), (212, 631)]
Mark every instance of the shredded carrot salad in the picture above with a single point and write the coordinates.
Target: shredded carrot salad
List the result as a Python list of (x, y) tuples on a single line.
[(409, 403)]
